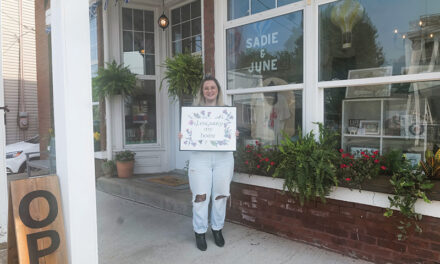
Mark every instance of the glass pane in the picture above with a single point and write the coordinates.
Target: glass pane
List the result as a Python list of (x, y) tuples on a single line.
[(185, 12), (149, 21), (186, 29), (196, 43), (139, 42), (195, 9), (175, 16), (406, 119), (264, 116), (149, 43), (237, 9), (128, 41), (140, 115), (261, 5), (266, 53), (127, 18), (176, 32), (195, 26), (186, 45), (149, 65), (96, 128), (286, 2), (376, 38), (177, 47), (138, 20)]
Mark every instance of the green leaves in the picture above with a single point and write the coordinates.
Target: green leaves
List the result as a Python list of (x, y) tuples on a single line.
[(113, 80), (307, 164), (184, 72), (409, 184)]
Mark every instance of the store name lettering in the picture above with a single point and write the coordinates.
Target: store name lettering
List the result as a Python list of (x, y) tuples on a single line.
[(260, 42)]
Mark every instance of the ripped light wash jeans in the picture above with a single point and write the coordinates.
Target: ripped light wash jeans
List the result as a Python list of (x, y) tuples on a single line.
[(210, 173)]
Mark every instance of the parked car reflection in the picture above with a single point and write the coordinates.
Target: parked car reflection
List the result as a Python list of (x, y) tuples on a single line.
[(16, 154)]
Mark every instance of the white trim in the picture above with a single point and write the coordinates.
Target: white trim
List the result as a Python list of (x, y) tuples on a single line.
[(323, 2), (420, 77), (279, 88), (342, 194), (274, 12), (100, 155)]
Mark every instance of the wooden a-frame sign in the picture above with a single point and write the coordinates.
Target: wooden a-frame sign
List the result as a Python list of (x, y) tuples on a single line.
[(35, 224)]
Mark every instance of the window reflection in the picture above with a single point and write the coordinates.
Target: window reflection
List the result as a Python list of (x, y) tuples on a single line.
[(266, 53), (186, 28), (401, 35), (408, 119), (140, 115), (265, 116)]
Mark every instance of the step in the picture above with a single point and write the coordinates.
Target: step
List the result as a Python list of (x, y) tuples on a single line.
[(138, 189)]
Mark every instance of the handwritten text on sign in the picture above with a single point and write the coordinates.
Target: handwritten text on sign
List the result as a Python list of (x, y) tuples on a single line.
[(208, 128)]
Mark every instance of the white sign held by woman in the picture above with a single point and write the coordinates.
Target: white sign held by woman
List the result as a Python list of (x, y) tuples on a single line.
[(208, 128)]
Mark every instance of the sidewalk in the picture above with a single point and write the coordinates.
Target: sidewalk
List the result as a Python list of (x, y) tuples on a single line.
[(133, 233)]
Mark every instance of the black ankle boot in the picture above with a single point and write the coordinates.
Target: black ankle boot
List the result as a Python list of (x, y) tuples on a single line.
[(218, 237), (201, 242)]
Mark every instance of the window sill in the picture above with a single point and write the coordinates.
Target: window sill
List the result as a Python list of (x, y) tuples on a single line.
[(378, 197)]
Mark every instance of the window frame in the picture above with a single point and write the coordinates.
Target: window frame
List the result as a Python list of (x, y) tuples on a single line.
[(141, 77)]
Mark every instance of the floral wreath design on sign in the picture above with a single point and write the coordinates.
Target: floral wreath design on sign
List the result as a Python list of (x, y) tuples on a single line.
[(225, 115)]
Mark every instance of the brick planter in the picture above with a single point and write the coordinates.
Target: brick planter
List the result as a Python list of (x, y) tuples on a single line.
[(353, 229)]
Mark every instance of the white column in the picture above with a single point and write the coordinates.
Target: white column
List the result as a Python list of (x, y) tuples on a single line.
[(3, 179), (313, 97), (73, 126)]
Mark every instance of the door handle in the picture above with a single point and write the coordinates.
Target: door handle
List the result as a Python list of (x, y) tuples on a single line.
[(5, 108)]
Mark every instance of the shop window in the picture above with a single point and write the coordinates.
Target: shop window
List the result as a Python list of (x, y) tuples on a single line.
[(266, 53), (400, 116), (375, 38), (264, 117), (241, 8), (94, 71), (138, 40), (186, 28), (140, 114)]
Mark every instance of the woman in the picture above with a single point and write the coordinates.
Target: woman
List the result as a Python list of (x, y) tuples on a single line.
[(210, 174)]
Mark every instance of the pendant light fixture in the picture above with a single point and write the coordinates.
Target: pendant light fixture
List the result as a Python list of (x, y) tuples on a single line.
[(163, 19)]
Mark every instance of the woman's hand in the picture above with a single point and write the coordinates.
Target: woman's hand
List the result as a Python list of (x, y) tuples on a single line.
[(237, 134), (180, 136)]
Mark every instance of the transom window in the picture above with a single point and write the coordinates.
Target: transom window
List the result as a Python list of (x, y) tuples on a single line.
[(186, 28)]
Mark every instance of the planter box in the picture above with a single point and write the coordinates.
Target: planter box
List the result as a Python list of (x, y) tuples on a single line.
[(351, 222)]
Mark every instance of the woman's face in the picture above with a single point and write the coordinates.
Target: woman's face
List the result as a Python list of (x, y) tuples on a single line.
[(210, 91)]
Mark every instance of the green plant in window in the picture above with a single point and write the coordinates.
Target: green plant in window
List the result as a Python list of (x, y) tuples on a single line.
[(114, 80), (431, 165), (184, 72), (307, 164), (257, 159), (409, 184)]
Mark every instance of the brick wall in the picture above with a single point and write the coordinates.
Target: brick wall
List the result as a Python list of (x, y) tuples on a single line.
[(208, 33), (356, 230)]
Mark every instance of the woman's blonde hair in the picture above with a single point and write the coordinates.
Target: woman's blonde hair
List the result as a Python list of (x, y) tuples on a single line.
[(200, 99)]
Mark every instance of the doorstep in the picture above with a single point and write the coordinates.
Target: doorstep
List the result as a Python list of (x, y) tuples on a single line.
[(138, 189)]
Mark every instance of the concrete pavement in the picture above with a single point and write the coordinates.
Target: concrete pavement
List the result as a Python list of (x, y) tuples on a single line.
[(133, 233)]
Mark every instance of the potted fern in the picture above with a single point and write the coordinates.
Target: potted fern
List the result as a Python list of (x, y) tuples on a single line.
[(184, 72), (125, 163), (114, 80)]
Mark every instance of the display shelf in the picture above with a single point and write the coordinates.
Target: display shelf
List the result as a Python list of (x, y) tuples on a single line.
[(373, 123)]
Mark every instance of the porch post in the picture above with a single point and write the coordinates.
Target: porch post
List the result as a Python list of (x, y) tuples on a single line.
[(3, 177), (73, 126)]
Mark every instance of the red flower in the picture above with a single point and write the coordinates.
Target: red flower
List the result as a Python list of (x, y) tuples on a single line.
[(376, 152), (376, 161), (383, 167), (272, 163), (248, 146), (256, 142), (348, 179), (341, 150), (343, 166), (267, 159), (246, 162), (362, 153), (258, 166), (259, 155), (373, 156), (261, 160)]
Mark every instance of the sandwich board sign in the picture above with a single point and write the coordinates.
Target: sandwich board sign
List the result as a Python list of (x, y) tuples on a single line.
[(36, 226)]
